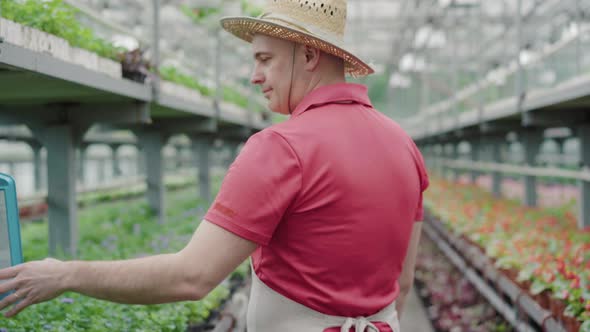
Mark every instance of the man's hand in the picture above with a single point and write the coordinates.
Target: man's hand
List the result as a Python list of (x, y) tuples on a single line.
[(32, 282)]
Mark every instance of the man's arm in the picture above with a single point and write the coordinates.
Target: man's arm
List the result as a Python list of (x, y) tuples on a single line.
[(406, 278), (190, 274)]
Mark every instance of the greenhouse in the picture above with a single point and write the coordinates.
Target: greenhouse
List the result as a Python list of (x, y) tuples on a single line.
[(350, 165)]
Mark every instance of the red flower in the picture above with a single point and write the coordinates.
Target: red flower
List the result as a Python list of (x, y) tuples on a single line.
[(575, 283)]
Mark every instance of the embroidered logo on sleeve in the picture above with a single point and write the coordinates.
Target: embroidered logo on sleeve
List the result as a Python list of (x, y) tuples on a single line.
[(224, 210)]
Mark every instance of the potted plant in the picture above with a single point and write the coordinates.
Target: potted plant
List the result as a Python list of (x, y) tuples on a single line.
[(134, 66)]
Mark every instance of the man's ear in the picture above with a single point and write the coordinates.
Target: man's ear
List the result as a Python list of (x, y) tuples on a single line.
[(312, 57)]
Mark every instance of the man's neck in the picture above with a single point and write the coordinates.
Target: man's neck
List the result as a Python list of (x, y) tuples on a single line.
[(323, 81)]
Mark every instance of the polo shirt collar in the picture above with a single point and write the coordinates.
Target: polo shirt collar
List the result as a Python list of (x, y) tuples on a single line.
[(334, 93)]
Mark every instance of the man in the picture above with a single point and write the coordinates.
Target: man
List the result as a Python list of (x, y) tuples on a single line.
[(326, 202)]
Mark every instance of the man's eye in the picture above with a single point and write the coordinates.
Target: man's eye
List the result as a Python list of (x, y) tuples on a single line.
[(263, 60)]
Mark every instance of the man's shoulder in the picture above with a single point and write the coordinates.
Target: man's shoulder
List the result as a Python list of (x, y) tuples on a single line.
[(270, 134), (280, 129)]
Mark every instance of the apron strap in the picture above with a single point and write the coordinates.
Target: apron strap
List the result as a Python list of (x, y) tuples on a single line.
[(360, 324)]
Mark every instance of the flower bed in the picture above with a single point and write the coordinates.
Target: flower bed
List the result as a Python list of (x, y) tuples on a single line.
[(541, 250), (453, 304), (121, 230)]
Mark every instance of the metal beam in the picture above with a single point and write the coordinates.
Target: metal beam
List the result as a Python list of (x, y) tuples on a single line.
[(554, 118), (498, 127), (234, 133), (583, 132), (78, 114), (187, 125)]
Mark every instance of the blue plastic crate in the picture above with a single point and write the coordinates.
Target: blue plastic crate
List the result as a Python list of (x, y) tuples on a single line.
[(10, 242)]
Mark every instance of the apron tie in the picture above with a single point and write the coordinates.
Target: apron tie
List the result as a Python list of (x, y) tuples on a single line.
[(360, 324)]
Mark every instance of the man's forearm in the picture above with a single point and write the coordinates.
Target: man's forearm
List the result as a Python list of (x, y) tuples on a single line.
[(149, 280), (400, 302)]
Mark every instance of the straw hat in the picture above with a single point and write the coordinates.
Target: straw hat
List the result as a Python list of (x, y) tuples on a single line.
[(317, 23)]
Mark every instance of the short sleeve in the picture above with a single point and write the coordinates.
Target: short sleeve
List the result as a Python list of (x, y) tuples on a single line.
[(258, 188), (421, 167)]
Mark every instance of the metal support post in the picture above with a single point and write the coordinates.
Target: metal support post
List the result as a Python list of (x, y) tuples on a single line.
[(579, 17), (156, 47), (455, 80), (100, 167), (455, 156), (201, 146), (115, 162), (480, 75), (584, 214), (61, 142), (560, 142), (425, 97), (428, 153), (447, 154), (519, 86), (496, 157), (531, 142), (152, 144), (440, 154), (218, 67), (37, 165), (81, 162), (141, 160), (179, 158), (475, 146)]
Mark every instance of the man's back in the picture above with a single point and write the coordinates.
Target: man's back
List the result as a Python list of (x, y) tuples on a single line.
[(347, 180)]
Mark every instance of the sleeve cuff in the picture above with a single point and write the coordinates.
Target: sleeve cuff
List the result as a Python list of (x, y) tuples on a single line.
[(232, 227)]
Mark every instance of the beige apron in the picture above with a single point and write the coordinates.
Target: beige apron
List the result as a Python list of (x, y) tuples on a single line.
[(269, 311)]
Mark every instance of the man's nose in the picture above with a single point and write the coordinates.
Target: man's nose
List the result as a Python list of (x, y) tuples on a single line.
[(256, 78)]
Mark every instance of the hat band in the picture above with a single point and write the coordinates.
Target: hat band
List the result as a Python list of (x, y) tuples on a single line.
[(300, 26)]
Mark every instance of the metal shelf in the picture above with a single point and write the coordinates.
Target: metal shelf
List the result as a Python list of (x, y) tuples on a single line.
[(446, 240), (47, 65), (180, 105), (49, 80), (575, 89)]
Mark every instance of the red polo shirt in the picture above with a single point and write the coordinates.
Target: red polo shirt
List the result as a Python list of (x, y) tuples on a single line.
[(331, 196)]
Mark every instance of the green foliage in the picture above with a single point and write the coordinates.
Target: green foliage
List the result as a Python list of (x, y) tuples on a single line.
[(378, 89), (120, 230), (378, 86), (59, 19), (250, 9), (172, 74), (233, 96), (198, 14), (229, 94)]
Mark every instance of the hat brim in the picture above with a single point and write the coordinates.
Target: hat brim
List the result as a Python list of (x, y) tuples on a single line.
[(246, 27)]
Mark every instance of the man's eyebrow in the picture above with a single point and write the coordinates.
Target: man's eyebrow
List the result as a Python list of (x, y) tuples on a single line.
[(257, 55)]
